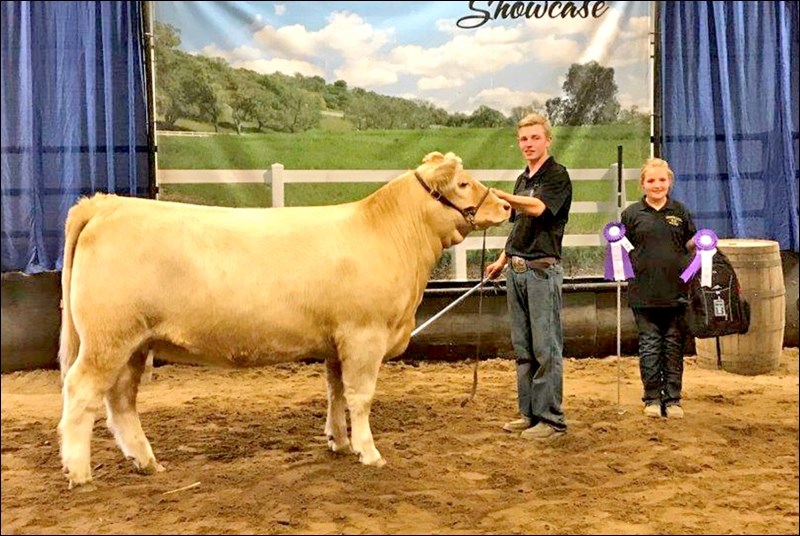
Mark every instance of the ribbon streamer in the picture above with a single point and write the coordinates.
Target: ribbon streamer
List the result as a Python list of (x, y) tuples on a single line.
[(618, 263), (706, 242)]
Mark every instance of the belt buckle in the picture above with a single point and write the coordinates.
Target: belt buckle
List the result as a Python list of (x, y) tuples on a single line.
[(519, 265)]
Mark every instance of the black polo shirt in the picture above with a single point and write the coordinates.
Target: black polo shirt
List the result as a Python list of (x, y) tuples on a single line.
[(659, 256), (534, 237)]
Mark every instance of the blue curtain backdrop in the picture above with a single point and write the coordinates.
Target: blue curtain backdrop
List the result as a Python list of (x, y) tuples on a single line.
[(74, 118), (730, 115)]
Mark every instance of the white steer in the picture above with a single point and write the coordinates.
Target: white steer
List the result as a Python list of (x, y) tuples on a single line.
[(249, 287)]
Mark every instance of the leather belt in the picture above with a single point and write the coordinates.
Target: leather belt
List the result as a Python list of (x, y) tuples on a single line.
[(521, 265)]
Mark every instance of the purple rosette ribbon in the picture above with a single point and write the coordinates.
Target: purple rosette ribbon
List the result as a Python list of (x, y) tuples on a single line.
[(706, 242), (618, 263)]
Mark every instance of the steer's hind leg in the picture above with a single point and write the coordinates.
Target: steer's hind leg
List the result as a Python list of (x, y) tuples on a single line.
[(361, 357), (85, 384), (336, 423), (123, 419)]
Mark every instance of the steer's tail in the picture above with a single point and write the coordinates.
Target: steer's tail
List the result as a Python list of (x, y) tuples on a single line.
[(79, 215)]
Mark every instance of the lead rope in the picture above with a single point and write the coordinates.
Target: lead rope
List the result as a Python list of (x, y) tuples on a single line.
[(480, 313)]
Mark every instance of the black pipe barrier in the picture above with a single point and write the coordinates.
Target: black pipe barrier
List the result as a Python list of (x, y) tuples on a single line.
[(589, 319)]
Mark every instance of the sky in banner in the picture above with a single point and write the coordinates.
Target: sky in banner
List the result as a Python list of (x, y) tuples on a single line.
[(416, 50)]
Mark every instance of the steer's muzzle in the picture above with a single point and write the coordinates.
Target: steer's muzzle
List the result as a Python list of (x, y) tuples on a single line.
[(493, 211)]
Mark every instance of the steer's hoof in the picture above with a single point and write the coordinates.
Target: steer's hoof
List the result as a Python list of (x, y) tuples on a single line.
[(83, 488), (150, 468), (81, 483), (339, 447), (374, 461), (78, 478), (153, 468)]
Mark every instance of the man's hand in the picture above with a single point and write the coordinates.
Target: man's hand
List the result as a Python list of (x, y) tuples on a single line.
[(496, 268), (502, 194), (532, 206)]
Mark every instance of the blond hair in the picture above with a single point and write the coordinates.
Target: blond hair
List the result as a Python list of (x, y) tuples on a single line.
[(537, 119), (653, 163)]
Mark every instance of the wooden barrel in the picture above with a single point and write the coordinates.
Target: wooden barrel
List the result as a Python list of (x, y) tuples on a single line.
[(757, 264)]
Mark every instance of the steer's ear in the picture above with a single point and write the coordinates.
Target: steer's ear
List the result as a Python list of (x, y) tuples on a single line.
[(433, 158), (443, 174)]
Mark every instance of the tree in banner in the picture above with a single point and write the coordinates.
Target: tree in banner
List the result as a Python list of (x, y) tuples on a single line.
[(590, 97), (427, 114), (205, 90), (242, 95), (284, 106), (302, 110), (485, 116), (171, 75), (337, 96), (633, 116), (518, 112), (363, 109)]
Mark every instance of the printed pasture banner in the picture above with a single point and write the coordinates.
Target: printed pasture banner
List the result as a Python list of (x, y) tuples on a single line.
[(309, 103)]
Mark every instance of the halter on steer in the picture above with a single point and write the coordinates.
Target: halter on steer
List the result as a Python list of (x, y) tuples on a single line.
[(468, 213)]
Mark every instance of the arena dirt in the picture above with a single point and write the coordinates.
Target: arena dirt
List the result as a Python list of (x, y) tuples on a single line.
[(247, 446)]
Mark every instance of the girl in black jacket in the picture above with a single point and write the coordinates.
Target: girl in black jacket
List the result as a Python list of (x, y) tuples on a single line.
[(661, 231)]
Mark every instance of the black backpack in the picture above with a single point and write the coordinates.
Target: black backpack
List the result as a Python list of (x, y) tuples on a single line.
[(719, 309)]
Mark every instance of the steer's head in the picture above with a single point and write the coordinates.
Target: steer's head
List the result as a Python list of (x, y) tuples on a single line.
[(459, 191)]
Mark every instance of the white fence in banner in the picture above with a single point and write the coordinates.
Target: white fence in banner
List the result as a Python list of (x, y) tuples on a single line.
[(277, 176)]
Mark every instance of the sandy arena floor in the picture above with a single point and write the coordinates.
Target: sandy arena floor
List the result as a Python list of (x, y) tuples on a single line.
[(252, 440)]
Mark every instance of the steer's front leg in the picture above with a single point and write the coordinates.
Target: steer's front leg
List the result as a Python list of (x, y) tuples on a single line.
[(361, 359)]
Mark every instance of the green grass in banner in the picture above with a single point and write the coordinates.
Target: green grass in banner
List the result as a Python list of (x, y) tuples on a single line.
[(224, 195), (632, 190), (336, 124), (583, 261), (592, 146)]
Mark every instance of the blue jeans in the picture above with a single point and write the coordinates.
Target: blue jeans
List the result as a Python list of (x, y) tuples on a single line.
[(534, 306), (660, 353)]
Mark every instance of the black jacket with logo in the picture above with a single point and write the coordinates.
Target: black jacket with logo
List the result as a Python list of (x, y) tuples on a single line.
[(659, 256)]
